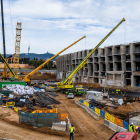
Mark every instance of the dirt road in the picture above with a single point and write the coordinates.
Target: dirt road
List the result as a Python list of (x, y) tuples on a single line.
[(87, 128)]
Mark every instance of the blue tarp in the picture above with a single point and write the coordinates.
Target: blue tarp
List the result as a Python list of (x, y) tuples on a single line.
[(126, 125)]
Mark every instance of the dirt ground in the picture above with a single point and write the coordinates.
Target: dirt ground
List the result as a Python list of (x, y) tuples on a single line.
[(86, 127)]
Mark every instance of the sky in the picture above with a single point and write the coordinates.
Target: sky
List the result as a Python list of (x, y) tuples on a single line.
[(52, 25)]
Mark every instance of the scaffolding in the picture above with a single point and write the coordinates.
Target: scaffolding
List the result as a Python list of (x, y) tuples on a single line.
[(17, 48)]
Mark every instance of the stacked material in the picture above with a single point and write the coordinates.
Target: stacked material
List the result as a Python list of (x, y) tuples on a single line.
[(21, 90), (95, 95)]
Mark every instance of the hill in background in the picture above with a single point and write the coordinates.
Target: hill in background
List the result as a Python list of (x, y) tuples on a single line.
[(34, 55)]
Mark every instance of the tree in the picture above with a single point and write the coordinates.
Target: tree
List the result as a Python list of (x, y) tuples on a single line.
[(50, 64)]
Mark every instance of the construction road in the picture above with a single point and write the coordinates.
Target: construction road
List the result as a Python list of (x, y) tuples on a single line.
[(86, 127)]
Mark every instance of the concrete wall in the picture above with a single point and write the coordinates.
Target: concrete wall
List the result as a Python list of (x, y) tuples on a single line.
[(117, 65)]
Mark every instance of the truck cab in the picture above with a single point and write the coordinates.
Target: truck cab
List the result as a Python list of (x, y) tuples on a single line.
[(124, 136)]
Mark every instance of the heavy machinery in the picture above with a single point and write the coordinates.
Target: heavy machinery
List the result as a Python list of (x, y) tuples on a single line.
[(17, 49), (124, 136), (8, 66), (67, 83), (27, 78)]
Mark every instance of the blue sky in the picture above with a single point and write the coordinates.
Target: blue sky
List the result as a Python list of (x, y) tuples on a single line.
[(51, 25)]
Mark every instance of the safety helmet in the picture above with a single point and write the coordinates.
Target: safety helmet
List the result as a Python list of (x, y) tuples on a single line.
[(71, 124)]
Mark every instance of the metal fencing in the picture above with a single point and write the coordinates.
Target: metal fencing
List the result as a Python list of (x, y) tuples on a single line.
[(39, 119)]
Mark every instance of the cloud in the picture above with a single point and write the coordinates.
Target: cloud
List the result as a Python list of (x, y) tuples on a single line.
[(54, 24)]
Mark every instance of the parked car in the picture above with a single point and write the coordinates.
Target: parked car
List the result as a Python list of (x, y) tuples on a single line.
[(70, 96)]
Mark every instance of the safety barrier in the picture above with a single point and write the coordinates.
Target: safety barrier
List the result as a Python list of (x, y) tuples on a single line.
[(87, 109), (110, 121), (68, 124), (86, 103), (113, 126), (59, 126)]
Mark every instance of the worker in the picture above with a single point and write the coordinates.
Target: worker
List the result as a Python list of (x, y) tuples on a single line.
[(137, 129), (71, 131), (131, 128)]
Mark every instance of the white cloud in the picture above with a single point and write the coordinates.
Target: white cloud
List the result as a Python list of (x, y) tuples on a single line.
[(54, 24)]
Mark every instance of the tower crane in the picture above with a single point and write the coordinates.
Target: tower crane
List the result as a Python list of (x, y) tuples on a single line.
[(17, 48)]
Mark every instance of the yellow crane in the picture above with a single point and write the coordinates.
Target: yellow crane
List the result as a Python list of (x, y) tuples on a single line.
[(27, 78), (17, 49), (67, 83)]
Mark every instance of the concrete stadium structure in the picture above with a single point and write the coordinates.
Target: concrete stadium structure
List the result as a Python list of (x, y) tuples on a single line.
[(117, 65)]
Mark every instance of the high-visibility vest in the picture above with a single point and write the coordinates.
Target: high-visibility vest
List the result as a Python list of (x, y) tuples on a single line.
[(131, 128), (72, 129)]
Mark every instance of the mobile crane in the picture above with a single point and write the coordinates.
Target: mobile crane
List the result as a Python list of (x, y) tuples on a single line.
[(67, 83), (27, 77)]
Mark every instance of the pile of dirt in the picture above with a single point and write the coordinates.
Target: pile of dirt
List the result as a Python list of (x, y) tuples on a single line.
[(123, 110)]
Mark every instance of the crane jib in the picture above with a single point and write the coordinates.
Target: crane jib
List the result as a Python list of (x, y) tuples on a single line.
[(78, 67)]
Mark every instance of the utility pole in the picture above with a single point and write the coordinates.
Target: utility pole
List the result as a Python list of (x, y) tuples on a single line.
[(3, 34)]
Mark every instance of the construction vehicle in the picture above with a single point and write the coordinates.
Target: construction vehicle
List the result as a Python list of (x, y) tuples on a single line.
[(28, 77), (17, 49), (67, 83), (124, 136), (8, 66)]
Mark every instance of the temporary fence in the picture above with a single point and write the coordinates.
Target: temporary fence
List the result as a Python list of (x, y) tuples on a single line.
[(109, 120), (39, 119)]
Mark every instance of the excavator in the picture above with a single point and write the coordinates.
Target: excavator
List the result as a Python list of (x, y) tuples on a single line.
[(67, 85), (27, 78)]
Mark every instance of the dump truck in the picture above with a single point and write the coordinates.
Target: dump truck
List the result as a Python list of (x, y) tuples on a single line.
[(124, 136), (76, 91)]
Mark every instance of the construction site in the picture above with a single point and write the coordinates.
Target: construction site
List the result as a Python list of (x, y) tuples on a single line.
[(93, 95)]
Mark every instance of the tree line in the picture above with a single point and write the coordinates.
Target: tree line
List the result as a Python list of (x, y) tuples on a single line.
[(35, 62)]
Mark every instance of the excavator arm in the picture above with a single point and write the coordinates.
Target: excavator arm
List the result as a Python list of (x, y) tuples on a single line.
[(63, 84), (27, 78)]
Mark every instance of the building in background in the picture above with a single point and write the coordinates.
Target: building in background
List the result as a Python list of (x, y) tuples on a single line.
[(117, 65)]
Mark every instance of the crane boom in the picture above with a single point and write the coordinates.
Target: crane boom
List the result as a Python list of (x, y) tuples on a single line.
[(27, 78), (7, 65), (84, 61)]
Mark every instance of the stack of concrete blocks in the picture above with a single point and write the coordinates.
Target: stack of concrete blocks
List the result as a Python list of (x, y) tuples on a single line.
[(114, 127), (95, 95), (59, 126)]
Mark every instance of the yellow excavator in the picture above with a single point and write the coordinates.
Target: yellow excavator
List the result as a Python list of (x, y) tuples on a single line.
[(67, 83), (28, 77)]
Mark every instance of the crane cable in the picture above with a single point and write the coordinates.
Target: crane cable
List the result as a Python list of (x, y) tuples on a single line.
[(124, 32), (11, 21)]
